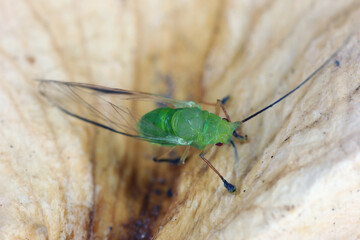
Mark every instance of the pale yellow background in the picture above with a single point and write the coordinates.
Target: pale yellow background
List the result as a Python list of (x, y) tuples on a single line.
[(298, 176)]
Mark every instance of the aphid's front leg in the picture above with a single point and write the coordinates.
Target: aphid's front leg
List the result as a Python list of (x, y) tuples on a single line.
[(217, 105), (220, 104), (231, 188), (241, 137)]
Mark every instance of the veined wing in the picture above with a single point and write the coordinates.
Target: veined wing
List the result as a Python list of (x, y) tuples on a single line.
[(109, 108)]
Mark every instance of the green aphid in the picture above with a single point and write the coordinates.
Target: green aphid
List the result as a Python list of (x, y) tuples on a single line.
[(175, 123), (192, 126)]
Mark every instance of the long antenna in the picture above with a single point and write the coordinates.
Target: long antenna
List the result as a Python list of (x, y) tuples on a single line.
[(302, 83)]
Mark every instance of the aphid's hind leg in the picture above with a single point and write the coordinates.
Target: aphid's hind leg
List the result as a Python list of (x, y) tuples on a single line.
[(168, 160), (175, 161), (231, 188)]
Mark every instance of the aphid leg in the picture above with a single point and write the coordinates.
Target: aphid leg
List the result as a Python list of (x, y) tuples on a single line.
[(219, 105), (207, 149), (184, 156), (235, 151), (242, 138), (225, 99), (174, 161), (168, 160), (231, 188)]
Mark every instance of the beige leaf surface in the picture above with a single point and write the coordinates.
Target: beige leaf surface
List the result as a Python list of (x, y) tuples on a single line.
[(297, 176)]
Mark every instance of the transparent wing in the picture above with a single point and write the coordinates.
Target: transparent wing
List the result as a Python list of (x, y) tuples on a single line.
[(110, 108)]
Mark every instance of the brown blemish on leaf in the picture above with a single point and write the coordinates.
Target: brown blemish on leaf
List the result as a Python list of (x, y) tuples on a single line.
[(31, 60)]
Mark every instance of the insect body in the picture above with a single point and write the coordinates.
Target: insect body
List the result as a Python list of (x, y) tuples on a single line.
[(192, 126), (178, 123)]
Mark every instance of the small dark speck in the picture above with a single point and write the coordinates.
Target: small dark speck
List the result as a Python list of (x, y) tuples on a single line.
[(286, 139), (337, 63), (263, 181), (157, 191), (11, 146), (332, 209), (30, 59), (244, 191), (272, 156), (334, 223), (169, 193), (110, 228)]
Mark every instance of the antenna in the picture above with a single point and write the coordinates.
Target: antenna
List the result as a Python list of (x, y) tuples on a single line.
[(302, 83)]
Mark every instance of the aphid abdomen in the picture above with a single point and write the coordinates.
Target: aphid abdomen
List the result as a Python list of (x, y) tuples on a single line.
[(182, 125), (187, 126), (157, 123)]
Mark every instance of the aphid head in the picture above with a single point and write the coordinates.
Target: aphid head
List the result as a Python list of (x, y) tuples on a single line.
[(240, 137)]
